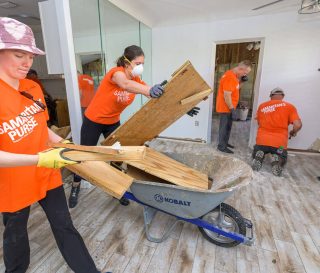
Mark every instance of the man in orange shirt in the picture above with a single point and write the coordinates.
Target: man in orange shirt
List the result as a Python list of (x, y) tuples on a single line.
[(227, 101), (86, 89), (273, 118)]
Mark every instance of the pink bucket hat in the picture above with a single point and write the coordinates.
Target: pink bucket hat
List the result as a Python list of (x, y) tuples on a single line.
[(16, 35)]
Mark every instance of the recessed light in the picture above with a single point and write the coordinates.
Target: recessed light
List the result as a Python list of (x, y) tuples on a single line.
[(8, 5)]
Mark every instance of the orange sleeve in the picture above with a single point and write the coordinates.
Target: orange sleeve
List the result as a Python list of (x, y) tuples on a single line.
[(293, 114), (111, 73)]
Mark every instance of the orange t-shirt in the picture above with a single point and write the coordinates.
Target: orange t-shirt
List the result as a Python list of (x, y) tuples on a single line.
[(273, 118), (110, 100), (228, 82), (23, 186), (86, 86)]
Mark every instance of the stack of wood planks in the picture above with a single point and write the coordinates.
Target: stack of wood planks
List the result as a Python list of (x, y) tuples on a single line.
[(183, 91)]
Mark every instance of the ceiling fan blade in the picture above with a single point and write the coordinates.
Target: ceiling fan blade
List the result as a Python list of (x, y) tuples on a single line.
[(266, 5)]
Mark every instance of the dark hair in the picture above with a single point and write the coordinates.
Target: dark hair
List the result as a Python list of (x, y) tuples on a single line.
[(131, 52)]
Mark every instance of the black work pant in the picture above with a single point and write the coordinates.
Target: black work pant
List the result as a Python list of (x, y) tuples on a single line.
[(90, 134), (224, 130), (16, 250), (271, 150)]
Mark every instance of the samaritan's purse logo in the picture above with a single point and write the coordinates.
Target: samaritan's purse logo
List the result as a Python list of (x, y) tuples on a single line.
[(160, 199)]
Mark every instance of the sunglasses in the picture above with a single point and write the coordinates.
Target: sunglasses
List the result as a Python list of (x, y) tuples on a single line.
[(37, 102)]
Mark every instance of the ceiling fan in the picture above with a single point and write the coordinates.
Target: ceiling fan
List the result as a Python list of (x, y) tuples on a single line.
[(307, 6), (267, 5)]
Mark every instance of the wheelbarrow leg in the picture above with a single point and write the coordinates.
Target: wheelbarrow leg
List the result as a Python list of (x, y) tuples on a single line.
[(148, 214)]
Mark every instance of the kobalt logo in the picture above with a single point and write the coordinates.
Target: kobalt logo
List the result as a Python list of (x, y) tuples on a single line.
[(159, 198)]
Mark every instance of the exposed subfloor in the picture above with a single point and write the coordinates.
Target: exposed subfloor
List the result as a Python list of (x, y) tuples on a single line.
[(285, 212)]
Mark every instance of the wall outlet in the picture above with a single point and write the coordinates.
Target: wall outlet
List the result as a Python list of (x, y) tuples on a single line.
[(196, 123)]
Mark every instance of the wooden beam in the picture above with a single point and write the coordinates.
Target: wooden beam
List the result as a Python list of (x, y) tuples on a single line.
[(201, 95), (97, 153), (158, 114), (170, 170), (88, 156), (98, 149), (104, 176)]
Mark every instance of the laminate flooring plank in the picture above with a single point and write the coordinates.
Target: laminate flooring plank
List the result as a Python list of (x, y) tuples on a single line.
[(163, 256), (184, 255), (140, 260), (290, 260), (268, 261), (226, 260), (204, 257), (308, 252)]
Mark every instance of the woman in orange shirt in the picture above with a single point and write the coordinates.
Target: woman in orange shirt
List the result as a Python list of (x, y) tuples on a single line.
[(116, 91), (27, 173)]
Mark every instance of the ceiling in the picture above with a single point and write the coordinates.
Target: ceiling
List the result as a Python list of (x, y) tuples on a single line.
[(172, 12), (24, 7)]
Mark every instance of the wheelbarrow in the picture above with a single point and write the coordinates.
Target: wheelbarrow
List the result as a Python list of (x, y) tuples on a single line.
[(218, 222)]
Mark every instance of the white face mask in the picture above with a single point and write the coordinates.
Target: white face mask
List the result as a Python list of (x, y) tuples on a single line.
[(137, 70)]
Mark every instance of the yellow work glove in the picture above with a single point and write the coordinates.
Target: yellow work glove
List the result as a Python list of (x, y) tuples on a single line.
[(53, 158), (65, 141)]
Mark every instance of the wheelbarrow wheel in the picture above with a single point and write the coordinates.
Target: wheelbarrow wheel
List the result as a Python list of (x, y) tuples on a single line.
[(228, 218)]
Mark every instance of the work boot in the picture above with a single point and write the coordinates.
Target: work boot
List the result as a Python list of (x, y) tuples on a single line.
[(230, 146), (73, 198), (257, 161), (276, 167), (225, 150)]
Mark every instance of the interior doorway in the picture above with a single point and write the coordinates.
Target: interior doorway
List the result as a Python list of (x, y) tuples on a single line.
[(227, 55)]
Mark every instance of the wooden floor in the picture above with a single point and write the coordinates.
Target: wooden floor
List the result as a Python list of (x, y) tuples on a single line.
[(285, 212)]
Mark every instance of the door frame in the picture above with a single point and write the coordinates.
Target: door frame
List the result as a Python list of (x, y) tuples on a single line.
[(253, 125)]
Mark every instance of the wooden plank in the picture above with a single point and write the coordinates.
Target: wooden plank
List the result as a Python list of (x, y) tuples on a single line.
[(104, 176), (126, 153), (226, 260), (97, 149), (168, 169), (308, 252), (289, 258), (184, 255), (205, 256), (158, 114), (200, 95), (268, 261), (140, 259)]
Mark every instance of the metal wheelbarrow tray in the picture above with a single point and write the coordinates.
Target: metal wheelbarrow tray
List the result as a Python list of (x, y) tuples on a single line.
[(218, 222)]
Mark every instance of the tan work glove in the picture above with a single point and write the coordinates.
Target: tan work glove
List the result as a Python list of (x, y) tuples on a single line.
[(65, 141), (53, 158)]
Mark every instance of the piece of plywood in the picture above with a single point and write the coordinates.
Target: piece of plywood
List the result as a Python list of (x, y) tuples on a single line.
[(104, 176), (98, 153), (196, 97), (170, 170), (158, 114)]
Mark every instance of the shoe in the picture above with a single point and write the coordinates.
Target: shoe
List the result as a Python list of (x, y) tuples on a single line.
[(257, 161), (226, 150), (276, 167), (230, 146), (73, 198), (124, 201)]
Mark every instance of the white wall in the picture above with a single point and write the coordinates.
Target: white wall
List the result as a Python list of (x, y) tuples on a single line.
[(291, 60)]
